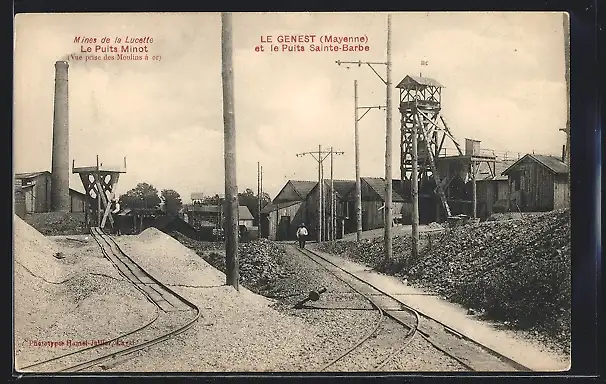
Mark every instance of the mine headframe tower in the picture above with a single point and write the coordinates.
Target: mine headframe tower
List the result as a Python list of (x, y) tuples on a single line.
[(420, 105)]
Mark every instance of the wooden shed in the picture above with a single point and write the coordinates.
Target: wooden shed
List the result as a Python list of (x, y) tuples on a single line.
[(19, 209), (78, 201), (538, 183), (492, 191), (373, 203), (344, 210), (36, 187), (281, 217), (35, 192), (245, 217)]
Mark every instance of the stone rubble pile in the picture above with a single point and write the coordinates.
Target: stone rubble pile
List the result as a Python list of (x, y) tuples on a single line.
[(515, 270)]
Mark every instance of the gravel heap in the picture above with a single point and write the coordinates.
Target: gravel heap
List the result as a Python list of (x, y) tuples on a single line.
[(257, 262), (80, 296), (152, 245), (517, 271), (58, 223), (370, 252), (35, 252), (198, 246), (513, 270)]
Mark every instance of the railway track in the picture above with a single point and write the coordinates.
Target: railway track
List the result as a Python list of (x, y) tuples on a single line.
[(469, 353), (386, 308), (171, 309)]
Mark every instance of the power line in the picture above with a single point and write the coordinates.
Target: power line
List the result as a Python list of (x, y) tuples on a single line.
[(320, 155), (388, 243)]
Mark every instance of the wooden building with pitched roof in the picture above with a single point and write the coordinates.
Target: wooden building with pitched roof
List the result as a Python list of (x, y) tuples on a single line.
[(538, 183), (281, 218)]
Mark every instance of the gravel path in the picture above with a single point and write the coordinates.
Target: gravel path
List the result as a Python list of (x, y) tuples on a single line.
[(321, 334), (81, 296)]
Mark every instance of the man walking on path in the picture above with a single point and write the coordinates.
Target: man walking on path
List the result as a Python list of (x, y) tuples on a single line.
[(301, 235)]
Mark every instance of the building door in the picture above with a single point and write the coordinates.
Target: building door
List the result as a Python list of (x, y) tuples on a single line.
[(283, 228)]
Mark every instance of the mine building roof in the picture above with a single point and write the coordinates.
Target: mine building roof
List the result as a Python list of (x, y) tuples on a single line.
[(418, 80)]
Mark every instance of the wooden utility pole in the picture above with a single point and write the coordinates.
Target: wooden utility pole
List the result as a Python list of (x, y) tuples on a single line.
[(319, 156), (258, 197), (566, 27), (333, 197), (357, 155), (474, 191), (231, 187), (261, 194), (321, 194), (414, 186), (388, 150), (388, 190)]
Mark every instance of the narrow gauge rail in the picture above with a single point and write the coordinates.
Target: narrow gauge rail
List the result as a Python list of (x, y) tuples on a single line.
[(468, 352), (170, 307), (384, 306)]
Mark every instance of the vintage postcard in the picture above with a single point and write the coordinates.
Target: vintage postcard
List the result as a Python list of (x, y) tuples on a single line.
[(291, 192)]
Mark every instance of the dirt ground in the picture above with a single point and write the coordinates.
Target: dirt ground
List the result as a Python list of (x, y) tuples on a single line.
[(243, 331)]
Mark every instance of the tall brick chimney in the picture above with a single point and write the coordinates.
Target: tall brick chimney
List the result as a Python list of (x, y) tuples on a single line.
[(60, 200)]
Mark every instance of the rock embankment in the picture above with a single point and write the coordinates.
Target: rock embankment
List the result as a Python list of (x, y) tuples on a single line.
[(517, 271)]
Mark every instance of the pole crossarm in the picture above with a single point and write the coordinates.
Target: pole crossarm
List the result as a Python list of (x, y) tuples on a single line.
[(368, 110), (322, 155), (370, 65)]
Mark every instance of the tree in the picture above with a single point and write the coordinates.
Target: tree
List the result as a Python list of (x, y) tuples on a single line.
[(249, 199), (211, 200), (144, 195), (172, 201)]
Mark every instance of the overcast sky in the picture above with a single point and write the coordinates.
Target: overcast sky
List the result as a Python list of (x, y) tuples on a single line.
[(503, 73)]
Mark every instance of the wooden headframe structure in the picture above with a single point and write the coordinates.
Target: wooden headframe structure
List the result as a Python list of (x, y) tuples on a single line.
[(99, 183), (420, 105)]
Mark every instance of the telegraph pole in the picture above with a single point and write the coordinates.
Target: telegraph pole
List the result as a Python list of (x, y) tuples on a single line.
[(319, 156), (414, 183), (259, 197), (333, 198), (231, 188), (321, 192), (388, 181), (357, 157), (388, 150), (566, 28)]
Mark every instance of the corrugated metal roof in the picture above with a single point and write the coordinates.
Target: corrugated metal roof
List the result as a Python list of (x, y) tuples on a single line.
[(273, 206), (303, 187), (74, 180), (378, 185), (204, 208), (342, 187), (244, 213), (28, 175), (500, 167), (554, 164), (411, 79)]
